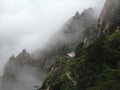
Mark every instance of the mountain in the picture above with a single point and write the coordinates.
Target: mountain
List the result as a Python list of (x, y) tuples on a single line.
[(96, 67), (96, 64), (21, 73), (83, 55), (25, 71)]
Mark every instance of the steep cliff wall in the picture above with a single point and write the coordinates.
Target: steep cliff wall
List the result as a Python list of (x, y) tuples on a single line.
[(109, 18)]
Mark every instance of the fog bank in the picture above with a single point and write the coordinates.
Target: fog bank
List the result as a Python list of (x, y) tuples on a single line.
[(30, 23)]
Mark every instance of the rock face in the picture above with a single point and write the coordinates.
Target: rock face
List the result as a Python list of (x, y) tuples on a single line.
[(109, 18), (23, 58)]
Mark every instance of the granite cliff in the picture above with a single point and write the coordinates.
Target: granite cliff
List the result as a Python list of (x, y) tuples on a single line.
[(109, 17)]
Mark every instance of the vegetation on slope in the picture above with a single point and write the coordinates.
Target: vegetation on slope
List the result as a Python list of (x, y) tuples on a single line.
[(96, 67)]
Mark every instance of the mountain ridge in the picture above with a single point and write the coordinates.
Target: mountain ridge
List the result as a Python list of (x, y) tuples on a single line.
[(85, 37)]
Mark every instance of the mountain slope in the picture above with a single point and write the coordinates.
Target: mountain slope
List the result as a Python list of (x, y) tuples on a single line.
[(97, 65)]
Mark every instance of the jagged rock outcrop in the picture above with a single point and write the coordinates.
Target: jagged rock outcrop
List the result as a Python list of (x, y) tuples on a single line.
[(109, 18), (79, 22), (19, 71), (23, 58)]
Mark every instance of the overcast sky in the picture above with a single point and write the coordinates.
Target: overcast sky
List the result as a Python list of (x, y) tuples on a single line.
[(29, 23)]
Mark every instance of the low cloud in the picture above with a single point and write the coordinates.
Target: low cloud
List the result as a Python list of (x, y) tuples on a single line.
[(30, 23)]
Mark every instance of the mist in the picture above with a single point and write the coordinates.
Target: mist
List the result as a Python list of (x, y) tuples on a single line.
[(30, 23)]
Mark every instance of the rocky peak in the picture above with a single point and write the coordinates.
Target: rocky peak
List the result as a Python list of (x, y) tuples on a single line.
[(23, 54), (24, 51), (87, 12), (78, 21), (12, 57), (77, 15), (23, 57)]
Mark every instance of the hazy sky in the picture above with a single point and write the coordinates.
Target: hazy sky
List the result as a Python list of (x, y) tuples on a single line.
[(29, 23)]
